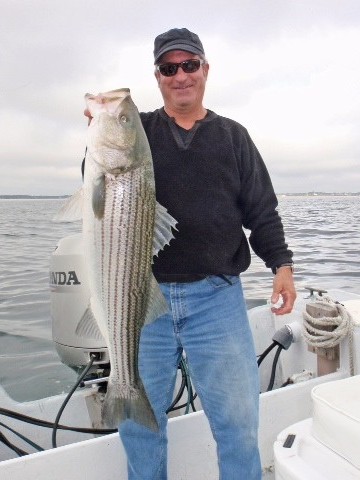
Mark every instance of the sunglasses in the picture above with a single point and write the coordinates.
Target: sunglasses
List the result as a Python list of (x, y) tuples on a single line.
[(188, 66)]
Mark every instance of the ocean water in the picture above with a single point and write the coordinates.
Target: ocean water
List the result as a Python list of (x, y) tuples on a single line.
[(323, 232)]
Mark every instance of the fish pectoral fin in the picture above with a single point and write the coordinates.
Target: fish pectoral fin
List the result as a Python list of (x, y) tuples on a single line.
[(98, 197), (157, 304), (88, 327), (72, 209), (164, 223)]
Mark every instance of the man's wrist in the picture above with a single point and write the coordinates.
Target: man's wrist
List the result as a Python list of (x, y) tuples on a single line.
[(289, 265)]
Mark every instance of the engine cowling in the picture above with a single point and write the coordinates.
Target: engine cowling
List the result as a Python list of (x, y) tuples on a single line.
[(69, 303)]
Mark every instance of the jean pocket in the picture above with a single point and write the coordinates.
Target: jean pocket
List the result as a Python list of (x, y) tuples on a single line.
[(221, 281)]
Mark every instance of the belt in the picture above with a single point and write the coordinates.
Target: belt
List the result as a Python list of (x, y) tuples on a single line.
[(185, 277), (179, 277)]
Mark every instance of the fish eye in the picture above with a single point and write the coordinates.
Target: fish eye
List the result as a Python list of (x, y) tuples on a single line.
[(123, 119)]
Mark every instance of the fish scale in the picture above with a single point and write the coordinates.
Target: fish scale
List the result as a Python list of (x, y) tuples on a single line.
[(127, 224), (131, 268), (123, 227)]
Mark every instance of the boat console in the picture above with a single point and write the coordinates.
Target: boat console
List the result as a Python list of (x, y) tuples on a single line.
[(326, 446)]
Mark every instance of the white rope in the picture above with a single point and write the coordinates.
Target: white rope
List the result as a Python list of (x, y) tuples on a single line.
[(343, 324)]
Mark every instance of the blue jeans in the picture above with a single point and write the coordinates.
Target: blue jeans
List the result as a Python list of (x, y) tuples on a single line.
[(208, 320)]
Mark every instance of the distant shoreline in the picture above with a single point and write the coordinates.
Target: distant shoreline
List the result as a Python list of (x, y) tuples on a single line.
[(32, 197), (309, 194), (320, 194)]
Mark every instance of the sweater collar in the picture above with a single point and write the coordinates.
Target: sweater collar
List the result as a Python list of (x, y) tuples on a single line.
[(209, 116)]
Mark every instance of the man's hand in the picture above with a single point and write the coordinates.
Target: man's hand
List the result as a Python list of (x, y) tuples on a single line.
[(283, 285)]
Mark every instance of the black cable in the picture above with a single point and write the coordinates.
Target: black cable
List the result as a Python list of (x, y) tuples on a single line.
[(185, 383), (69, 395), (265, 353), (181, 389), (178, 396), (190, 400), (43, 423), (57, 426), (13, 447), (178, 407), (273, 369), (22, 437)]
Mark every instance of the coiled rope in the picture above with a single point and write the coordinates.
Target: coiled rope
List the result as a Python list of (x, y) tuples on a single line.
[(342, 323)]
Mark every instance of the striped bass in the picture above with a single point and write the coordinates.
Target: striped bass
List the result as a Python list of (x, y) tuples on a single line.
[(123, 227)]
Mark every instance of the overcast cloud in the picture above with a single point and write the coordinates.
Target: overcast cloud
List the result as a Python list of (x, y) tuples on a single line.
[(288, 70)]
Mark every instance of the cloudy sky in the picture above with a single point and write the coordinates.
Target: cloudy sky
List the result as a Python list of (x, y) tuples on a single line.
[(288, 70)]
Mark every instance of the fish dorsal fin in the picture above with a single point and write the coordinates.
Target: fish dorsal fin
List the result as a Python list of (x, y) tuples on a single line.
[(157, 304), (164, 223), (88, 327), (72, 209)]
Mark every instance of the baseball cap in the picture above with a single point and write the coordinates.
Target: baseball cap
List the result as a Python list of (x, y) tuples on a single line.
[(177, 39)]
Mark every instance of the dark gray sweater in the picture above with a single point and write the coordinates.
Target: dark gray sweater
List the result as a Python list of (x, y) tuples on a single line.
[(214, 182)]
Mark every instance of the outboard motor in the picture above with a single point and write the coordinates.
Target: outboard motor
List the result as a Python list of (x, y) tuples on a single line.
[(69, 306)]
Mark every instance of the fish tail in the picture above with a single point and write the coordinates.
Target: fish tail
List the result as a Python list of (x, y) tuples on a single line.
[(128, 403)]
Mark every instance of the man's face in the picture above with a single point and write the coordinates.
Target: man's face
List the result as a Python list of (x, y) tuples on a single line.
[(183, 91)]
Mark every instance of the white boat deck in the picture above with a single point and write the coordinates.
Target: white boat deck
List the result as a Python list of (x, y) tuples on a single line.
[(192, 451)]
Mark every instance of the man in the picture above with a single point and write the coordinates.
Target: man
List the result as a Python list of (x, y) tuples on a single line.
[(211, 178)]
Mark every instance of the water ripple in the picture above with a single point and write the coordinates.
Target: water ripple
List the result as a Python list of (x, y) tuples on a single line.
[(323, 232)]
